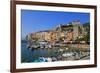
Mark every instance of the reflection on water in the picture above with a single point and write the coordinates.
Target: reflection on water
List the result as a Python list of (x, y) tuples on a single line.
[(48, 55), (29, 55)]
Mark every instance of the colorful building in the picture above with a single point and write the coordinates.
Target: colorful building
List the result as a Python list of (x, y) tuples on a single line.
[(68, 32)]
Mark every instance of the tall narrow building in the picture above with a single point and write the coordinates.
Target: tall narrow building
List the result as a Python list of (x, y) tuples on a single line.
[(76, 25)]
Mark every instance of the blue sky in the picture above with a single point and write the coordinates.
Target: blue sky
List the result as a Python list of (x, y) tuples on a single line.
[(35, 20)]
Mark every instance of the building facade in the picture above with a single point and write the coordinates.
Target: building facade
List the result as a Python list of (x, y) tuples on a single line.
[(66, 32)]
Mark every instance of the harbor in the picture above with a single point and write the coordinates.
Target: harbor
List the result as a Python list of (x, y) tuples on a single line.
[(64, 42), (55, 53)]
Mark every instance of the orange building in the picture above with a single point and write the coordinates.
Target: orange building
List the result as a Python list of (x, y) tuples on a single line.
[(69, 36)]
